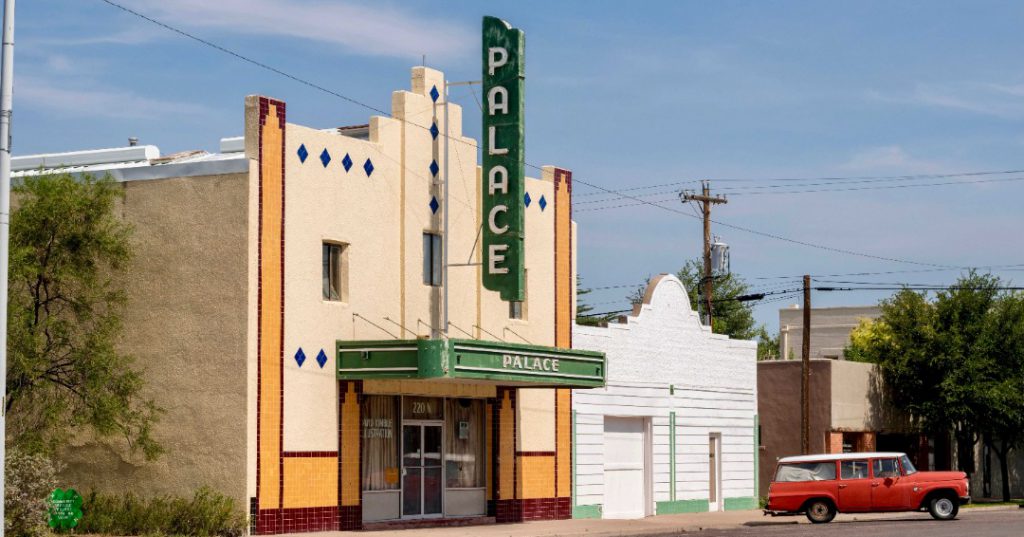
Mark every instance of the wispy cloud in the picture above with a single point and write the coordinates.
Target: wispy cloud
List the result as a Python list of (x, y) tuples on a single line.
[(1004, 101), (375, 29), (890, 159), (99, 102)]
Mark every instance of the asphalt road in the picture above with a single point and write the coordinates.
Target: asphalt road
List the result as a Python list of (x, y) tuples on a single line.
[(1006, 523)]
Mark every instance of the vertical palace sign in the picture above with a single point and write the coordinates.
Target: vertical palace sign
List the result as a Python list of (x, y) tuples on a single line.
[(503, 159)]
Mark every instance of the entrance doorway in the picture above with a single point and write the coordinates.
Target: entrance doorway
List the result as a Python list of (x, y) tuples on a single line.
[(626, 468), (422, 479), (715, 472)]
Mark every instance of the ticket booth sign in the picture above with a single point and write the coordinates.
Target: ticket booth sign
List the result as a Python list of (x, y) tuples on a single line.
[(503, 159)]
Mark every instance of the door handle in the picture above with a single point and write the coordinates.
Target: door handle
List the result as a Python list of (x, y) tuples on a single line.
[(875, 484), (843, 486)]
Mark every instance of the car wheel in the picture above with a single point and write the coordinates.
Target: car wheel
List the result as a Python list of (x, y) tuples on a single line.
[(943, 507), (820, 511)]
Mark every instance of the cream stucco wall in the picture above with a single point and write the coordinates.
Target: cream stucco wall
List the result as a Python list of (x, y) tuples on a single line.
[(381, 220), (185, 324)]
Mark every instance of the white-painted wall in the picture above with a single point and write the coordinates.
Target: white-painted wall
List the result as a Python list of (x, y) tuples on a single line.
[(663, 360)]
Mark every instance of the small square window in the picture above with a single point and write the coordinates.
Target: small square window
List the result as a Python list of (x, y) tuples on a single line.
[(432, 259), (333, 259)]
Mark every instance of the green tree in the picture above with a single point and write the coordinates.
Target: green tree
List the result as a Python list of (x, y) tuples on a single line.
[(583, 310), (1003, 425), (951, 363), (69, 252), (730, 316)]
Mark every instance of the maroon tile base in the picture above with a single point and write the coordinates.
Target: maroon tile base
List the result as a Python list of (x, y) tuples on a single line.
[(428, 523), (300, 520), (506, 511), (351, 517)]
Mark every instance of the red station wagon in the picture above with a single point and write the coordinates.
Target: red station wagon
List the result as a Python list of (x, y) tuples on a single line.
[(822, 485)]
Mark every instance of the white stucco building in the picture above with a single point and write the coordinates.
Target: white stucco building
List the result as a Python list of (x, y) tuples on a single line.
[(675, 428)]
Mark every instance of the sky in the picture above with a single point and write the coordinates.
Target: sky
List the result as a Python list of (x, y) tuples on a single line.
[(626, 95)]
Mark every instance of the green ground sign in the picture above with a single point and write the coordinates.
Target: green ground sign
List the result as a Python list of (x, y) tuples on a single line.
[(65, 509), (503, 159)]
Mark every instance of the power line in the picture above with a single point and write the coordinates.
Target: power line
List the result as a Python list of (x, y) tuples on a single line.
[(782, 192), (771, 235), (830, 180), (386, 114)]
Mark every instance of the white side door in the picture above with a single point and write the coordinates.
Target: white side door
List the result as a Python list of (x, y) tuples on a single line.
[(624, 473)]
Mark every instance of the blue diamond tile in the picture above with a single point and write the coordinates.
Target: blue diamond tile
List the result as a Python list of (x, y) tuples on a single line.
[(527, 199), (325, 158), (434, 205), (434, 93), (303, 153), (347, 162), (433, 131), (321, 358), (368, 167), (300, 357), (433, 168), (542, 202)]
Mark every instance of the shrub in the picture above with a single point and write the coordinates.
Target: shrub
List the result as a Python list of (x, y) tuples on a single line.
[(30, 479), (206, 514)]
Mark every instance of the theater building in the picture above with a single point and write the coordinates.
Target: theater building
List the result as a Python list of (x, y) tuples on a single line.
[(287, 303)]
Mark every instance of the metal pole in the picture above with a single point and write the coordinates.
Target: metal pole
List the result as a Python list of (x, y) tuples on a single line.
[(444, 237), (805, 372), (708, 280), (6, 90)]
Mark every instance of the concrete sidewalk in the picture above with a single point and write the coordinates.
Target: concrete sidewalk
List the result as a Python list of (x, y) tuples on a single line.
[(655, 525)]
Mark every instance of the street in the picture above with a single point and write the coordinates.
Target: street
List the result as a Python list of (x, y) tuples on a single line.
[(976, 523)]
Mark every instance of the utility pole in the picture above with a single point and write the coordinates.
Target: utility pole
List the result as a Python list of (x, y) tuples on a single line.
[(6, 89), (706, 201), (805, 372)]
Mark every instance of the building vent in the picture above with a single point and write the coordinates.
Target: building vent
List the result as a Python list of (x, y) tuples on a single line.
[(138, 153)]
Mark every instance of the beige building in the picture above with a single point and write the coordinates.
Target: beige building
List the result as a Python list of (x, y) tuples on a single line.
[(287, 304), (849, 412), (830, 330)]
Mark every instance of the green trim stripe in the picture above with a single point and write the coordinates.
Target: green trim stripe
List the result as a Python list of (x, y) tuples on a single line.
[(741, 504), (586, 511), (681, 506), (672, 455), (757, 455)]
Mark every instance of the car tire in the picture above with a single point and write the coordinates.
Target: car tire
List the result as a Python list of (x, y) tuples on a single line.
[(943, 507), (820, 511)]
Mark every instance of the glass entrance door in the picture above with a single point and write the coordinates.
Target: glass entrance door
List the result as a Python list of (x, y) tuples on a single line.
[(421, 470)]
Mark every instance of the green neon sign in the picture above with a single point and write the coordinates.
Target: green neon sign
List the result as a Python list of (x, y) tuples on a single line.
[(503, 159)]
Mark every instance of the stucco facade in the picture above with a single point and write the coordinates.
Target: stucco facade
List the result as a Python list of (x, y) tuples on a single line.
[(690, 399), (280, 281), (830, 330)]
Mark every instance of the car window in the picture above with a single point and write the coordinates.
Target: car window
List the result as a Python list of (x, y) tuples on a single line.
[(806, 471), (853, 469), (884, 468), (908, 467)]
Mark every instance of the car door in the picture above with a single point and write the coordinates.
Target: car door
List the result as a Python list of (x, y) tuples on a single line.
[(854, 486), (888, 490)]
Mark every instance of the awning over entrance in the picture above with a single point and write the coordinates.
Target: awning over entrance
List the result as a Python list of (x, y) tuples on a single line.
[(468, 359)]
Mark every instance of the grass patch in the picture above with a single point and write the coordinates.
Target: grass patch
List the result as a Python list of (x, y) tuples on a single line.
[(206, 514)]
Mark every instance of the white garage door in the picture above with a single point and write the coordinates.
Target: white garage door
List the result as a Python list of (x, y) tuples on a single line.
[(624, 481)]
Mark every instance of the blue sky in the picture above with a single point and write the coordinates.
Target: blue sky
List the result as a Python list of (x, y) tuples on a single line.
[(624, 94)]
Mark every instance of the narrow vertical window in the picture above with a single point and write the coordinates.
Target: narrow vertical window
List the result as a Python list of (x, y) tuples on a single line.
[(332, 271), (432, 259)]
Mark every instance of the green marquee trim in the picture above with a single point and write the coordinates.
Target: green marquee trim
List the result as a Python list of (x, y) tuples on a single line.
[(471, 360)]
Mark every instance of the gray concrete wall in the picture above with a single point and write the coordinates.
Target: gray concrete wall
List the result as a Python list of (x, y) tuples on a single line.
[(185, 324), (830, 330)]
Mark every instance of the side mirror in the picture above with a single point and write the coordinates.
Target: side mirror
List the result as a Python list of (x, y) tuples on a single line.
[(888, 481)]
